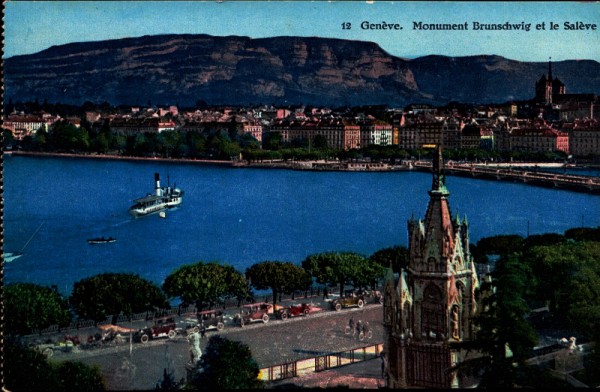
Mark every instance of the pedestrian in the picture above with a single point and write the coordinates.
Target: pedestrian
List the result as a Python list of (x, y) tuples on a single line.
[(325, 293), (358, 327), (351, 325), (202, 331)]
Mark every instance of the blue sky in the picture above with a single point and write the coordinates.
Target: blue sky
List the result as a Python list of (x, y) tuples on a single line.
[(32, 26)]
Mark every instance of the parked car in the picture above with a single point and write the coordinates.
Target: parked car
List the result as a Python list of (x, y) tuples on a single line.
[(302, 309), (162, 327), (274, 309), (371, 296), (253, 312), (350, 299), (210, 319), (49, 347)]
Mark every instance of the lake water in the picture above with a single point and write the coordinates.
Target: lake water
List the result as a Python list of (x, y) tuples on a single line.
[(240, 216)]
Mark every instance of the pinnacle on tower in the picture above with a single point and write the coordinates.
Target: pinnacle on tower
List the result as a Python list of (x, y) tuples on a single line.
[(439, 179)]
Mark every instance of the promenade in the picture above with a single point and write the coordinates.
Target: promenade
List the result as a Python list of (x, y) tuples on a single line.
[(533, 176), (274, 343)]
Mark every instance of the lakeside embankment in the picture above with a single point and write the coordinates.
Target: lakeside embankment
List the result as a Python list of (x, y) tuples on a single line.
[(115, 157), (319, 165)]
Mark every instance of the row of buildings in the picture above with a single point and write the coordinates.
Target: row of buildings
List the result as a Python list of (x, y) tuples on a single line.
[(407, 130)]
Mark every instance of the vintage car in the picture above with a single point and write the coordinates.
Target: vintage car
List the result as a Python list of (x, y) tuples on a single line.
[(253, 312), (371, 296), (48, 347), (274, 309), (209, 319), (350, 299), (302, 309), (162, 327)]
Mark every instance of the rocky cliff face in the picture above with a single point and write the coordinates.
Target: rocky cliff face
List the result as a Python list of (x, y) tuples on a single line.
[(182, 69)]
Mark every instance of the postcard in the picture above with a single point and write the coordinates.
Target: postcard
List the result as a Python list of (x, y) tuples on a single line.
[(199, 189)]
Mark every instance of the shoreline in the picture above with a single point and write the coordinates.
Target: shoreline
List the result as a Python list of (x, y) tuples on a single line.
[(319, 165), (115, 157)]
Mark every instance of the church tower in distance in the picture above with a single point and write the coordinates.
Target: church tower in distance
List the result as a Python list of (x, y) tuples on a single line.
[(428, 308)]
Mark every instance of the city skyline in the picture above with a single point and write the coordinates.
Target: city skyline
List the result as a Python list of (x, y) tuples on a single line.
[(31, 27)]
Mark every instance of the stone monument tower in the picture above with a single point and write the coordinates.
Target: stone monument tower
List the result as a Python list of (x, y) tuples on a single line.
[(428, 308)]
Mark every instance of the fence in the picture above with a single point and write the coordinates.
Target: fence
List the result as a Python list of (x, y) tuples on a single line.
[(306, 366), (180, 310)]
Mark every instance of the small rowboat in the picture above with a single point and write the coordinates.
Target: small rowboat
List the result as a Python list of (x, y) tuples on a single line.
[(101, 240)]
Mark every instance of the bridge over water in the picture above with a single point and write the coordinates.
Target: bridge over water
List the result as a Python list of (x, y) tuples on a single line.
[(576, 183)]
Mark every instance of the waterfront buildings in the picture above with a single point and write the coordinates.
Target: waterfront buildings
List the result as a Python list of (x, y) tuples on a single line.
[(22, 125), (132, 126), (543, 139), (584, 138), (254, 129), (338, 133), (426, 130), (375, 133)]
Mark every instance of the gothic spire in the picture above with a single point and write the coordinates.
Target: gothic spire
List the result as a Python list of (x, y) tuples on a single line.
[(550, 69), (439, 179)]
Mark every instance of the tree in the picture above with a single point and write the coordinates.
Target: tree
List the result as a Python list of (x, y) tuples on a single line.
[(570, 281), (226, 364), (221, 146), (246, 140), (40, 139), (66, 136), (500, 245), (196, 143), (319, 142), (169, 142), (77, 376), (300, 280), (583, 234), (370, 275), (272, 140), (7, 138), (205, 284), (395, 257), (28, 370), (112, 294), (542, 239), (137, 144), (502, 324), (340, 268), (279, 277), (29, 306), (101, 143), (118, 141)]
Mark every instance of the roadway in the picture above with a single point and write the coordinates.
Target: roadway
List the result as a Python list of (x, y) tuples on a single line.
[(141, 366)]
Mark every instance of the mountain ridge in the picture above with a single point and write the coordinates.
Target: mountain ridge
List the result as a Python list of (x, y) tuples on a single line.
[(239, 70)]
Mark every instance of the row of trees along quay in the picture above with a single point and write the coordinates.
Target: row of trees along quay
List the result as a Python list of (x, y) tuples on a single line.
[(64, 137), (560, 271)]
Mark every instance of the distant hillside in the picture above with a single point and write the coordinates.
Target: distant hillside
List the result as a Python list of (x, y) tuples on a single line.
[(170, 69)]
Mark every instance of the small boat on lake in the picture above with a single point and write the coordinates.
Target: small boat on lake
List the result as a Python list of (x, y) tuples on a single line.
[(10, 256), (101, 240), (163, 199)]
